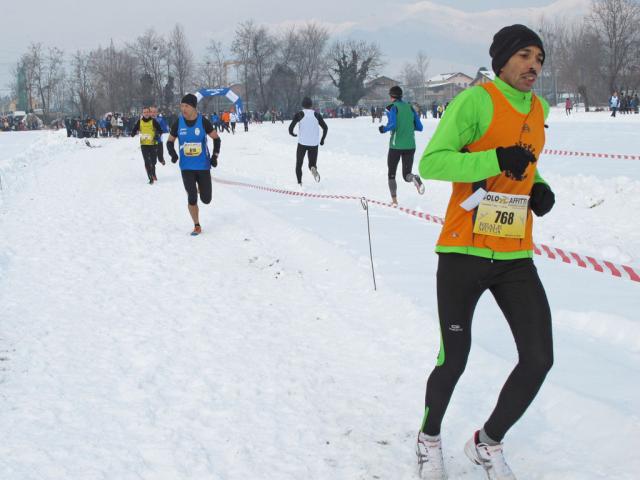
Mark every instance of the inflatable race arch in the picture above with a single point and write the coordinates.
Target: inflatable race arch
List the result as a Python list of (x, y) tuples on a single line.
[(221, 92)]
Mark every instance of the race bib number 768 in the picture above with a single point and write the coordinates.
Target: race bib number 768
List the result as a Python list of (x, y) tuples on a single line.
[(502, 215)]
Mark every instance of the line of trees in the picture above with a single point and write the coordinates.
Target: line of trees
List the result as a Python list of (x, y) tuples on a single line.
[(592, 56), (275, 69), (595, 55)]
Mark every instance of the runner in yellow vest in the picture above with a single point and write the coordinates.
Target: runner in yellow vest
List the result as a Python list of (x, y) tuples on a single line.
[(488, 144), (149, 129)]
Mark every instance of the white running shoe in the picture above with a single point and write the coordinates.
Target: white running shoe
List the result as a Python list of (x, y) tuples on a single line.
[(316, 175), (430, 461), (419, 185), (490, 457)]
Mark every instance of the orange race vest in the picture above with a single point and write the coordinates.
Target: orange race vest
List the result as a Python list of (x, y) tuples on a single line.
[(508, 127)]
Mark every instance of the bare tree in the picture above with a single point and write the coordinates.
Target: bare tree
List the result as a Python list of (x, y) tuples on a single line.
[(263, 54), (54, 77), (256, 50), (302, 56), (212, 72), (83, 89), (151, 54), (410, 75), (616, 22), (551, 33), (114, 73), (241, 48), (180, 58), (579, 61), (422, 67), (353, 63), (314, 61)]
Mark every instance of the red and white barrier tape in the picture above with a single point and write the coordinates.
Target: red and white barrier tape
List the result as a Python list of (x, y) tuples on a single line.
[(603, 266), (569, 153)]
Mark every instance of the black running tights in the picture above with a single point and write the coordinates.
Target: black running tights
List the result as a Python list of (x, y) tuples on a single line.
[(313, 158), (150, 155), (517, 289)]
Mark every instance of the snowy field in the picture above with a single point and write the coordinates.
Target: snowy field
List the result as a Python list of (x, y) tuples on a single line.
[(130, 350)]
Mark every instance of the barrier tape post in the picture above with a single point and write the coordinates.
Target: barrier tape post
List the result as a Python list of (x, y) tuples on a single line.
[(365, 206)]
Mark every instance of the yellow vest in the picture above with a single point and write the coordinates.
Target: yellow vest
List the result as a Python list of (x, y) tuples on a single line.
[(147, 133)]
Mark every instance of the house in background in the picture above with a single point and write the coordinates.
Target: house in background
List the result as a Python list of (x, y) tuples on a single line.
[(442, 88), (483, 76), (378, 91)]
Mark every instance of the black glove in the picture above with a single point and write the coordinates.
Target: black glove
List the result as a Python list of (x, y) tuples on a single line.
[(514, 160), (321, 142), (214, 160), (381, 128), (172, 151), (542, 199), (293, 134)]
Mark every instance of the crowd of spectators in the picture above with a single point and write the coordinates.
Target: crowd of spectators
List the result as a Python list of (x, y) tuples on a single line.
[(11, 122)]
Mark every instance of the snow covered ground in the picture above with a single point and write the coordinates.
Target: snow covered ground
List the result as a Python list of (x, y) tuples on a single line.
[(130, 350)]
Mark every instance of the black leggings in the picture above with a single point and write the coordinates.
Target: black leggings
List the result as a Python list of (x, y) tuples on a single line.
[(515, 285), (197, 180), (160, 148), (393, 158), (313, 158), (150, 155)]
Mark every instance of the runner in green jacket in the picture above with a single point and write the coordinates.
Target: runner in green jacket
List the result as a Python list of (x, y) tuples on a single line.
[(402, 122)]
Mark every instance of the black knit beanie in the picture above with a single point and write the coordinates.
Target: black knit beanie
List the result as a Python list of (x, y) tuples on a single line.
[(190, 99), (508, 41), (395, 92), (307, 103)]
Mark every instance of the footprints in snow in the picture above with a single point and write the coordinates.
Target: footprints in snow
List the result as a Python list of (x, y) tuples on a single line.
[(264, 264), (269, 264)]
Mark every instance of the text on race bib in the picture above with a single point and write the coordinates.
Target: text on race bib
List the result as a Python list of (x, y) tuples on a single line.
[(502, 215), (192, 149)]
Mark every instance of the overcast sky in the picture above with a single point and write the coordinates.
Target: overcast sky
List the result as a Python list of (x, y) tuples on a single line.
[(455, 34)]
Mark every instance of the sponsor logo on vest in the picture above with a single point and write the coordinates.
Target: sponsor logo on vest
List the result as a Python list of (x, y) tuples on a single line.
[(197, 131), (455, 328), (506, 200)]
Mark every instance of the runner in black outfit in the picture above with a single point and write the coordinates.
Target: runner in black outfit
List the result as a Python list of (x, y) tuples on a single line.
[(149, 130)]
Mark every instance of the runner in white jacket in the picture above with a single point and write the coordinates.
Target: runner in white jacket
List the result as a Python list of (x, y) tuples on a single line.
[(310, 123)]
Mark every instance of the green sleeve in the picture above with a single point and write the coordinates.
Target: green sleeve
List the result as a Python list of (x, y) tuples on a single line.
[(545, 108), (465, 117)]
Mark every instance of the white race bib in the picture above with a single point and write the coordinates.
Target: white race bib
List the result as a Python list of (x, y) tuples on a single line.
[(502, 215)]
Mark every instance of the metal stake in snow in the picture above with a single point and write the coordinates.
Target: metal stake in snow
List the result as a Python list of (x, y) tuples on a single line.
[(365, 206)]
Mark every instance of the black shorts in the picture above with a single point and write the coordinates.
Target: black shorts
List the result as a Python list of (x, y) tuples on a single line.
[(197, 181)]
